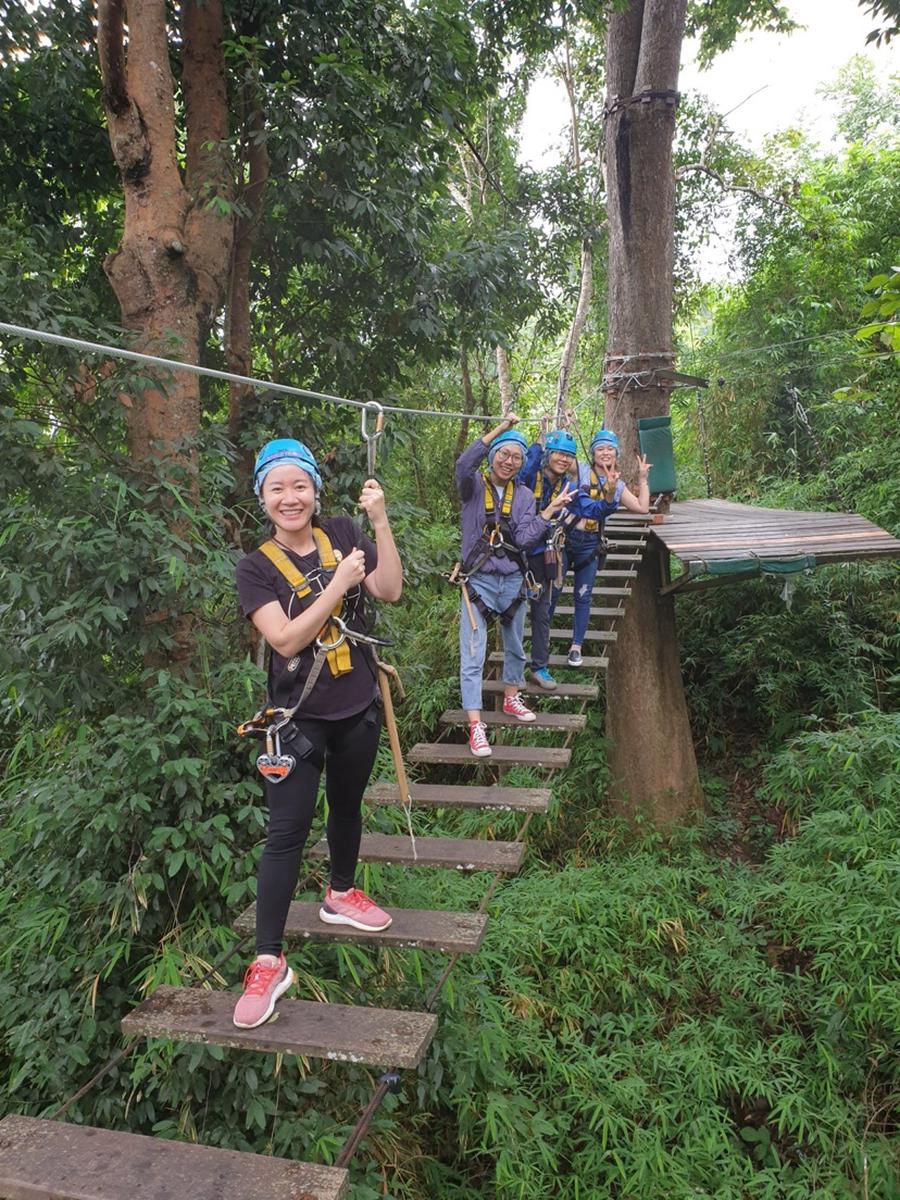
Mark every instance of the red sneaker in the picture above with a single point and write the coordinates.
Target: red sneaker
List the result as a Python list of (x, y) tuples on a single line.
[(354, 908), (514, 706), (263, 984), (478, 743)]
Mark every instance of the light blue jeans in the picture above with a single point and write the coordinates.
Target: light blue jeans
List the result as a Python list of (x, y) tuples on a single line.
[(498, 592)]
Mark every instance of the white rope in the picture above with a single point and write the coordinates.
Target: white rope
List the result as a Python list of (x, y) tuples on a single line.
[(56, 339)]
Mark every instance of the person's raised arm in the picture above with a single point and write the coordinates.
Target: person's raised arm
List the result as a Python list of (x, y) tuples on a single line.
[(641, 502), (386, 581), (469, 462)]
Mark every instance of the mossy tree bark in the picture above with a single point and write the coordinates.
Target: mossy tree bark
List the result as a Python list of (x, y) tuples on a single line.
[(651, 752), (170, 270)]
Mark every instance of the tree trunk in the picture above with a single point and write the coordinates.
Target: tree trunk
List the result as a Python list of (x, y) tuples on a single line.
[(503, 378), (462, 439), (242, 399), (169, 271), (651, 752)]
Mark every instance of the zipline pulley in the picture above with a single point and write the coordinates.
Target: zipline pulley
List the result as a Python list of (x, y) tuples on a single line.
[(371, 438)]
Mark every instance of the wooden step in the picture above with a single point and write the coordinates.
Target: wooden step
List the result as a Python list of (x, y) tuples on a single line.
[(612, 573), (461, 854), (379, 1037), (51, 1160), (568, 610), (565, 691), (622, 558), (550, 757), (412, 928), (592, 635), (560, 660), (452, 795), (563, 721)]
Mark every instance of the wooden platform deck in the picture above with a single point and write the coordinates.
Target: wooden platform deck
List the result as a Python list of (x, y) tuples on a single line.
[(726, 542)]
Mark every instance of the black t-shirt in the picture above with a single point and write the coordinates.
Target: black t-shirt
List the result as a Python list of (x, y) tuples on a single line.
[(260, 582)]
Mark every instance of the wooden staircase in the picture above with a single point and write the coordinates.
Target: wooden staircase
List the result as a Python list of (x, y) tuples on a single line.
[(53, 1160)]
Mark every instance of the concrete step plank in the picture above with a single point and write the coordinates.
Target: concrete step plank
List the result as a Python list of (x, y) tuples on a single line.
[(451, 795), (52, 1160), (379, 1037), (461, 854), (543, 720), (550, 757), (411, 929), (560, 660), (563, 691)]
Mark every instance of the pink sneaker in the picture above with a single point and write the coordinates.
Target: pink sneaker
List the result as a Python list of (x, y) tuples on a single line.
[(478, 743), (514, 706), (263, 984), (354, 908)]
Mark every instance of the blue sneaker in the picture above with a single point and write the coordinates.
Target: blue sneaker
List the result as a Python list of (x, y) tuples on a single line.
[(543, 678)]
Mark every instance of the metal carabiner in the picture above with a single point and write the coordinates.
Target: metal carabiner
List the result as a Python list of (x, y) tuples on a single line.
[(495, 538), (326, 646), (371, 439)]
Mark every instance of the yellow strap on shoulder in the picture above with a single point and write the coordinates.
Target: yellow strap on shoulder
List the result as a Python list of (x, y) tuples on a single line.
[(593, 526), (339, 660)]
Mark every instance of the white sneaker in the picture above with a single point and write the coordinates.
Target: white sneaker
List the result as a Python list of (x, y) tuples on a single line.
[(575, 659)]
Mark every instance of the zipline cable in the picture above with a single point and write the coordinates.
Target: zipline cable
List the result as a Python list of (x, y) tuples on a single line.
[(172, 364)]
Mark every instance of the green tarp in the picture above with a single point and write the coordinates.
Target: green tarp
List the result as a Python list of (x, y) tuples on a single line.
[(655, 436), (766, 566)]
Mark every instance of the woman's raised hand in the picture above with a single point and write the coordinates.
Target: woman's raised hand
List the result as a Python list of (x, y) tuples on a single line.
[(351, 570), (371, 501), (643, 466), (560, 501)]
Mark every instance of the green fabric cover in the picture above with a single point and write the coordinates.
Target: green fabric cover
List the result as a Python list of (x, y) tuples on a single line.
[(766, 566), (655, 436)]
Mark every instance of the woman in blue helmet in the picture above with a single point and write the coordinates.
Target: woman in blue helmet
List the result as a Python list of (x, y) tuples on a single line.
[(309, 570), (547, 469), (600, 481), (500, 524)]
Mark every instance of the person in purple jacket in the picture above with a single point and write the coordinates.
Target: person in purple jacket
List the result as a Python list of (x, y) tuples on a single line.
[(500, 523)]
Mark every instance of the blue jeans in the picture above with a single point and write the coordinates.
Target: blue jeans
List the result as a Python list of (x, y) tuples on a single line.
[(498, 592), (581, 556)]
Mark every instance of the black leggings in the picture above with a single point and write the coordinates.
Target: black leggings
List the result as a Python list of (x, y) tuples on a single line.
[(349, 746)]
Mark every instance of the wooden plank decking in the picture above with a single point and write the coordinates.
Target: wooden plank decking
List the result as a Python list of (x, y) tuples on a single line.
[(708, 533)]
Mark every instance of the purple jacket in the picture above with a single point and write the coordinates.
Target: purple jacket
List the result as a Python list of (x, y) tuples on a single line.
[(525, 525)]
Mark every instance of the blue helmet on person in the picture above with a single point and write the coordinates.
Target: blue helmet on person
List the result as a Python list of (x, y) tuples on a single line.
[(605, 437), (561, 441), (510, 437), (283, 452)]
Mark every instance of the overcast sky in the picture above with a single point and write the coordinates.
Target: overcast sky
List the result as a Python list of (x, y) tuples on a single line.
[(791, 66)]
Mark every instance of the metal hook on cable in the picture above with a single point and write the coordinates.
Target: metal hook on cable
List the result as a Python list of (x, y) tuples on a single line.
[(371, 439)]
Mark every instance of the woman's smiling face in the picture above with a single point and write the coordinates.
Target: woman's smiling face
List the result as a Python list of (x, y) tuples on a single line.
[(289, 497), (605, 456)]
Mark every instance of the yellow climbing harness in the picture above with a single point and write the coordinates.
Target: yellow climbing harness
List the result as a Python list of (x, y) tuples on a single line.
[(599, 491), (337, 648)]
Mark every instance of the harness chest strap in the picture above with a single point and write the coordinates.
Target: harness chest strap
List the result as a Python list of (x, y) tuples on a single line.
[(339, 660), (490, 507)]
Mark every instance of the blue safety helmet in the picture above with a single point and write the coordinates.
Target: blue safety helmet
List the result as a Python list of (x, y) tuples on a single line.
[(280, 453), (605, 436), (561, 441), (511, 435)]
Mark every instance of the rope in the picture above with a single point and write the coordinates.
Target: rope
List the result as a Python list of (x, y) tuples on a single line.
[(56, 339)]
